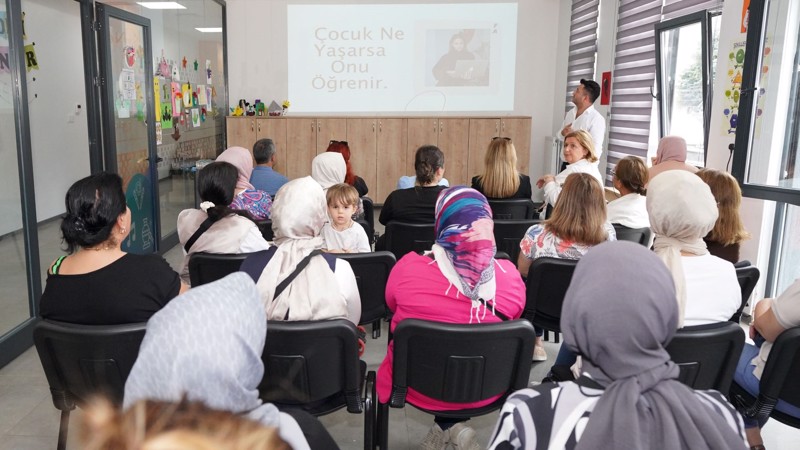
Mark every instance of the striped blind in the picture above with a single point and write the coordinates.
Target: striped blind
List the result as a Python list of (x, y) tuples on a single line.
[(678, 8), (582, 44), (634, 75)]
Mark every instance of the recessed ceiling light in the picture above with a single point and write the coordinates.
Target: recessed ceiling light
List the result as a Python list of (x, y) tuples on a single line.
[(161, 5), (210, 30)]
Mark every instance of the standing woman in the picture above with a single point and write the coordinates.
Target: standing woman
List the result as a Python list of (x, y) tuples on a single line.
[(97, 283), (728, 233), (257, 203), (215, 227), (580, 157), (349, 178), (500, 178)]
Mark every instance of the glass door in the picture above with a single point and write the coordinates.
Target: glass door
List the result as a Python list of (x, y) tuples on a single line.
[(129, 134)]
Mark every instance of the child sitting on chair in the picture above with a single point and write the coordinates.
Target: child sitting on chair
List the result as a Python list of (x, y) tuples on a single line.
[(341, 233)]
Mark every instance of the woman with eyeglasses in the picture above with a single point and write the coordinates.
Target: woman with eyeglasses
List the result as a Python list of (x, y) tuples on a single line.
[(97, 283), (353, 180), (500, 178), (580, 156)]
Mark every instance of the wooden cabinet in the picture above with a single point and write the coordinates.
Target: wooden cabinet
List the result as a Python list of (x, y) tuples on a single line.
[(273, 128), (519, 130), (362, 138), (481, 132), (241, 132), (392, 156), (451, 136), (330, 128), (306, 137)]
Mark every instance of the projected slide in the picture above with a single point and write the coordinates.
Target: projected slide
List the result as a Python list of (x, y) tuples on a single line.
[(402, 58)]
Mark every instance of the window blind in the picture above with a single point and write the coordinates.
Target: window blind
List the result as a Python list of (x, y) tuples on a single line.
[(678, 8), (582, 44)]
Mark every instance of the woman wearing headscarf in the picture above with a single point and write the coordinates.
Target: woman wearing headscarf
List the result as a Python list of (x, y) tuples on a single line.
[(328, 169), (619, 313), (257, 203), (206, 346), (322, 287), (671, 155), (682, 211), (459, 281), (349, 178)]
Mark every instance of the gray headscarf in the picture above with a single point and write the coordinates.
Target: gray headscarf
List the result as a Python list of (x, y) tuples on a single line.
[(207, 344), (619, 313)]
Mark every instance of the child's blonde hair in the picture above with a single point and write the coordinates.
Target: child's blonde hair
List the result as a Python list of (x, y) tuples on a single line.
[(342, 193)]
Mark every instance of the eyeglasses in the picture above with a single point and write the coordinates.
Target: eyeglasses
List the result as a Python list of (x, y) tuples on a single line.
[(333, 141), (502, 137)]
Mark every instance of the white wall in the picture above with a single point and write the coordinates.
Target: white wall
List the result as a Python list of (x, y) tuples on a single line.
[(257, 55)]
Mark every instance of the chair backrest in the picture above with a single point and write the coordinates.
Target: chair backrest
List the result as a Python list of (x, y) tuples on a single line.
[(402, 237), (638, 235), (748, 278), (512, 209), (707, 354), (509, 233), (372, 272), (80, 361), (265, 227), (545, 287), (207, 267), (310, 362), (461, 363), (782, 370), (369, 216)]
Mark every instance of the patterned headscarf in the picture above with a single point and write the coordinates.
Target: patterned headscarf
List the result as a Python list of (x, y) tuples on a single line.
[(465, 246), (241, 158)]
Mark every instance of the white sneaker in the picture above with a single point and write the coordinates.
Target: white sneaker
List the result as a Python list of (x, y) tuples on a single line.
[(463, 437), (539, 354), (437, 439)]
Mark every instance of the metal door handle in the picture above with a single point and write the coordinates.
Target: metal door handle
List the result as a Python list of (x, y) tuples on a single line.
[(252, 125)]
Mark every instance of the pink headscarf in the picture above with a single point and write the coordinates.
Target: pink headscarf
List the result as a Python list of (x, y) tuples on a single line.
[(671, 155), (241, 158)]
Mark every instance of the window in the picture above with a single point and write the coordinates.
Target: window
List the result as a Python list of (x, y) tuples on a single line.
[(582, 44)]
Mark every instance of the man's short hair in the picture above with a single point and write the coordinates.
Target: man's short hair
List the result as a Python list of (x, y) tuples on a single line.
[(263, 150), (592, 88)]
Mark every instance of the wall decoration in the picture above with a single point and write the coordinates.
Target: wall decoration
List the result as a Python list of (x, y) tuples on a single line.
[(196, 65), (209, 94), (195, 117), (162, 68), (130, 56), (733, 92), (176, 98), (166, 115), (186, 92), (184, 62), (123, 108), (127, 84), (157, 97), (176, 72), (202, 95), (159, 141), (208, 71), (30, 57), (3, 32)]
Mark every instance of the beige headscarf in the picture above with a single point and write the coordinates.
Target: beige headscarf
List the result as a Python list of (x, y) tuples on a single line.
[(241, 158), (298, 213), (671, 155), (328, 169), (682, 211)]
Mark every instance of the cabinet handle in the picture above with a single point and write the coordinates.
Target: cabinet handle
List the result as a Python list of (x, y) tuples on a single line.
[(497, 128), (312, 126), (252, 125), (259, 126), (319, 125), (373, 126), (435, 124), (441, 127), (380, 126), (503, 126)]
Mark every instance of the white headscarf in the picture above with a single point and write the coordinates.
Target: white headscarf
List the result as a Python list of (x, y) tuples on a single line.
[(328, 169), (682, 211), (298, 213)]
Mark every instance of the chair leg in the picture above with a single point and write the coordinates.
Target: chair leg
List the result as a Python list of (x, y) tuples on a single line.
[(383, 425), (370, 420), (376, 329), (555, 334), (546, 335), (63, 428)]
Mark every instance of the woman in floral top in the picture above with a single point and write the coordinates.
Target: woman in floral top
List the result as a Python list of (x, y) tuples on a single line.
[(578, 223)]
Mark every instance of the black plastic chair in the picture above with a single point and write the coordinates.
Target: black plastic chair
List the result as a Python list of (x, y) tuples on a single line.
[(372, 272), (638, 235), (81, 361), (545, 287), (208, 267), (512, 209), (707, 354), (748, 278), (402, 238), (314, 366), (509, 233), (265, 227), (778, 382), (369, 218), (458, 363)]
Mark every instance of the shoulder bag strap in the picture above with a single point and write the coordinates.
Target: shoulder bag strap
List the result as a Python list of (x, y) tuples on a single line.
[(300, 266), (202, 229)]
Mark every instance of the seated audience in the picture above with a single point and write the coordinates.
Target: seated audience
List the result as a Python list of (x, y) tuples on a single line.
[(728, 232), (342, 234), (458, 282), (206, 346), (630, 209), (328, 169), (215, 227), (580, 157), (257, 203), (349, 178), (321, 286), (416, 205), (184, 425), (264, 177), (771, 317), (682, 211), (671, 155), (619, 313), (578, 223), (500, 178), (98, 283), (406, 182)]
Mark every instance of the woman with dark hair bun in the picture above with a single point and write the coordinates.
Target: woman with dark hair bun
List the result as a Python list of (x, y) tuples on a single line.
[(417, 204), (215, 227), (97, 283), (350, 178)]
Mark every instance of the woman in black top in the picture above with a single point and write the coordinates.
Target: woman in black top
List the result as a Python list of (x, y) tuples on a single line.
[(417, 204), (500, 178), (97, 283)]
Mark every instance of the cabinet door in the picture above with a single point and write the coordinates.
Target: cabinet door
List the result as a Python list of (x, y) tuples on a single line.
[(330, 128), (362, 140), (481, 132), (519, 130), (241, 132), (274, 128), (454, 142), (392, 156), (420, 132), (301, 146)]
